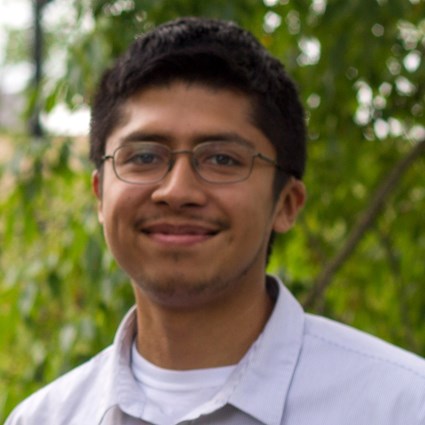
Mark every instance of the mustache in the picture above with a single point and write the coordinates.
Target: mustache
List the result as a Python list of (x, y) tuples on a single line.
[(183, 218)]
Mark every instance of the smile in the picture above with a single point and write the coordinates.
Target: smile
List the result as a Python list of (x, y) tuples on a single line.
[(182, 235)]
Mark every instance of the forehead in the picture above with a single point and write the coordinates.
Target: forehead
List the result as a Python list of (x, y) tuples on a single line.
[(181, 114)]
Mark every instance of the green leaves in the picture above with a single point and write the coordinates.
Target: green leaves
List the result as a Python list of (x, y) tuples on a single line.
[(360, 71), (59, 287)]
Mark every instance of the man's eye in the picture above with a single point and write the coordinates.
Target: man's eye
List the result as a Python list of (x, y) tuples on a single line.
[(222, 159), (144, 158)]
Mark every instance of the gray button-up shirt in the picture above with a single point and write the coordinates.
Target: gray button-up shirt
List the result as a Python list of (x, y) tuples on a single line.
[(303, 370)]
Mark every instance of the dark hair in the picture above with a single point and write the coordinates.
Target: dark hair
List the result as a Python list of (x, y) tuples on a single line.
[(210, 52)]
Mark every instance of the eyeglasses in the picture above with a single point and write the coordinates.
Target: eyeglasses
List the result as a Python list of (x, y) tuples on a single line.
[(214, 162)]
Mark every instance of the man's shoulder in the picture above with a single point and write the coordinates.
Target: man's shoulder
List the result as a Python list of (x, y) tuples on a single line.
[(347, 376), (79, 388), (338, 339), (366, 367)]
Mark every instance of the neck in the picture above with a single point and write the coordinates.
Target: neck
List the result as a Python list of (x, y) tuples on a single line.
[(209, 335)]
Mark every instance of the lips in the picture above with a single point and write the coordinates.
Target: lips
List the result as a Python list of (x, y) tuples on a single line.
[(179, 234)]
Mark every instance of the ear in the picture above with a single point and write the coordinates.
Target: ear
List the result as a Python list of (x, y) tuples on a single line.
[(96, 183), (291, 200)]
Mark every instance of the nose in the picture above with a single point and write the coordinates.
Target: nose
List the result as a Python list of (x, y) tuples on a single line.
[(181, 187)]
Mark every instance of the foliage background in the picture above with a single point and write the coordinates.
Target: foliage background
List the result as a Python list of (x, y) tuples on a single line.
[(361, 73)]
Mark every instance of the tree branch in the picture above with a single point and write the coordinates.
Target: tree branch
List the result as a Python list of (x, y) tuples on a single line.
[(364, 222), (395, 267)]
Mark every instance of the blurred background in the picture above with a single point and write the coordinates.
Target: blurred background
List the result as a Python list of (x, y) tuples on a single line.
[(357, 253)]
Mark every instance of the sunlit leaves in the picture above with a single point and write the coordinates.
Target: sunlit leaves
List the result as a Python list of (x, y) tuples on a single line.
[(360, 71), (60, 291)]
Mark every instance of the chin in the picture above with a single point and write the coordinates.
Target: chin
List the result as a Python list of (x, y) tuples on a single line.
[(179, 290)]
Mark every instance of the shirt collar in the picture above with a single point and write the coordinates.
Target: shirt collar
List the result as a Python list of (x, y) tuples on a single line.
[(122, 393), (264, 387), (259, 386)]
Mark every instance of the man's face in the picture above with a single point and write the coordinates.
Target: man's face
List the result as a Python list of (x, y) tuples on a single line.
[(184, 241)]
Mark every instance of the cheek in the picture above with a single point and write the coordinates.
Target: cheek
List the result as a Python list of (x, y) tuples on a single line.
[(119, 206), (121, 196), (254, 216)]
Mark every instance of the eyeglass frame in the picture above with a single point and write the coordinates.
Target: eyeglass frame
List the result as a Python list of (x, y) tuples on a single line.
[(171, 162)]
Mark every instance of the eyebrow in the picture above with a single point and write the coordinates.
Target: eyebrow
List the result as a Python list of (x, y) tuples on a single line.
[(142, 136)]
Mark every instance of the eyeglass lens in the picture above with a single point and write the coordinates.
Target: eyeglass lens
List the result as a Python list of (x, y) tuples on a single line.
[(217, 162)]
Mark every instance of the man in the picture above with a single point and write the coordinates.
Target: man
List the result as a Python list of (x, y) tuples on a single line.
[(198, 140)]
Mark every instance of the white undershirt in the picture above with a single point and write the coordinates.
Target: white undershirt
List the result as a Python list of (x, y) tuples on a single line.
[(172, 394)]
